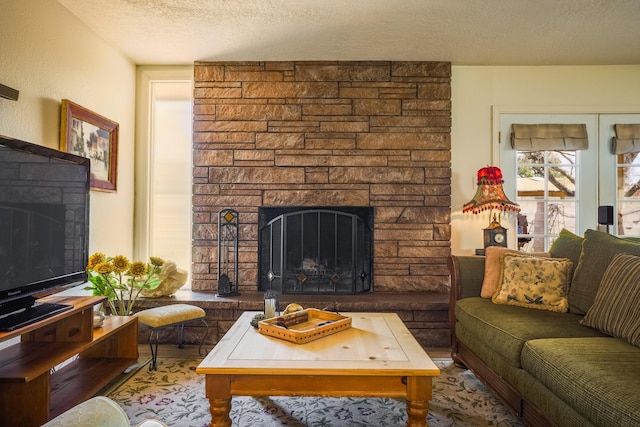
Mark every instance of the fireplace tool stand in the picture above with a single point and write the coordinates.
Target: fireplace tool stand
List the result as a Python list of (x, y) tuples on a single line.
[(228, 253)]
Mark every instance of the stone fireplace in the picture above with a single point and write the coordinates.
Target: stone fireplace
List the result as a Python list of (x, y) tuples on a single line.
[(315, 250), (310, 134)]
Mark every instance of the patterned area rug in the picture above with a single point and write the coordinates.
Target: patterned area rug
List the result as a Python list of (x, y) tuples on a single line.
[(174, 394)]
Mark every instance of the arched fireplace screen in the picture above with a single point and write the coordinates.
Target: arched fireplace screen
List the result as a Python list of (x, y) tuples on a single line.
[(316, 251)]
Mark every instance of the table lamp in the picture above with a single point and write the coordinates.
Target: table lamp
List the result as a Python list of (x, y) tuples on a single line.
[(490, 196)]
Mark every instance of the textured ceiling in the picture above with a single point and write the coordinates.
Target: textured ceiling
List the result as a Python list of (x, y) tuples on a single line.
[(465, 32)]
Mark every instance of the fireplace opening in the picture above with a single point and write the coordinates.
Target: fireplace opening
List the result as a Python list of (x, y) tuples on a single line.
[(315, 250)]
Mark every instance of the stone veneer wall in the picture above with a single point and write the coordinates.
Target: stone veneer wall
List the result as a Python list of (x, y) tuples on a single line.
[(308, 133)]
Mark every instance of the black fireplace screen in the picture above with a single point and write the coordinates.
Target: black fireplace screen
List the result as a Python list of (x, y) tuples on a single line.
[(316, 251)]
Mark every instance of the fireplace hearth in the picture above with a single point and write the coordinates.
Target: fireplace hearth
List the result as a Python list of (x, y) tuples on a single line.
[(316, 250)]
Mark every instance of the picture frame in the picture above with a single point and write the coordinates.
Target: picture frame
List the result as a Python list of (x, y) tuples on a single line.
[(88, 134)]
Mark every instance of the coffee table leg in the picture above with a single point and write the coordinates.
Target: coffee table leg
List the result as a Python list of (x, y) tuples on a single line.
[(218, 391), (418, 397)]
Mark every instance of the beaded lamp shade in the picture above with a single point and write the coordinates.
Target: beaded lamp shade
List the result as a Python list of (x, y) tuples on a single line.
[(490, 194)]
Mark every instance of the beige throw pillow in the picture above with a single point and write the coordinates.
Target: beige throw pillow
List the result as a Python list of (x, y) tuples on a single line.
[(534, 282), (616, 308), (492, 267)]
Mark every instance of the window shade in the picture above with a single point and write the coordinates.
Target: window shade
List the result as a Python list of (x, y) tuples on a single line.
[(627, 139), (549, 137)]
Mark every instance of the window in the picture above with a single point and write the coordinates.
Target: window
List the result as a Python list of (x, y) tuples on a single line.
[(563, 188), (170, 172), (620, 185), (163, 166), (555, 189), (546, 193), (628, 194)]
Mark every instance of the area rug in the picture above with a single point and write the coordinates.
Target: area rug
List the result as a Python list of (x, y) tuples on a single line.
[(174, 394)]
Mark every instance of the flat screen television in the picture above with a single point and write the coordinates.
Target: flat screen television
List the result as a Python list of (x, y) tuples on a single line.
[(44, 225)]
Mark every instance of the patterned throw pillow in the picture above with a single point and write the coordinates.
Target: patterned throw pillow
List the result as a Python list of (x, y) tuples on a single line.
[(533, 282), (616, 307), (492, 267)]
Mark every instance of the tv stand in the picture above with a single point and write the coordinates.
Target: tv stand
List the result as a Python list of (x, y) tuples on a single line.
[(32, 314), (30, 393)]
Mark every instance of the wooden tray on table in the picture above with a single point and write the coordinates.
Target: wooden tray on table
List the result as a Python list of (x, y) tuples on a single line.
[(304, 326)]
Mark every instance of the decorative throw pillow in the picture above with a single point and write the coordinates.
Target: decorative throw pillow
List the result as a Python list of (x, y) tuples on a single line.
[(534, 282), (567, 245), (598, 249), (616, 307), (492, 256)]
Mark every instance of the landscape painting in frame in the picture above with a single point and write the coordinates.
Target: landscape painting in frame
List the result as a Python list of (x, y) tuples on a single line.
[(87, 134)]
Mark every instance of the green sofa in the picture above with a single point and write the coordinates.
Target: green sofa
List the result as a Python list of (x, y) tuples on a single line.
[(547, 366)]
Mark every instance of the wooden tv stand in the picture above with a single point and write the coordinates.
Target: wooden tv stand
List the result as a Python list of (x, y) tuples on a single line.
[(30, 393)]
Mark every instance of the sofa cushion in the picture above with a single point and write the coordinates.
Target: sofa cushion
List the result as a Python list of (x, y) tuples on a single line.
[(616, 308), (492, 268), (508, 327), (596, 376), (530, 388), (598, 250), (567, 245), (533, 282)]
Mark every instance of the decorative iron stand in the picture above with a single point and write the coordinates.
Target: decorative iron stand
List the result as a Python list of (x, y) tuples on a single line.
[(228, 252)]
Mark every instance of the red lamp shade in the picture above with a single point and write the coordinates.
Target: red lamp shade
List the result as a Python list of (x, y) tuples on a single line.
[(490, 194)]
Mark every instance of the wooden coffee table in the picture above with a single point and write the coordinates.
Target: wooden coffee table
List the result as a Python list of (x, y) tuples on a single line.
[(376, 357)]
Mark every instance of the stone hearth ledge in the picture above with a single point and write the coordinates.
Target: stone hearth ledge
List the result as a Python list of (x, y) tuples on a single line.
[(424, 313)]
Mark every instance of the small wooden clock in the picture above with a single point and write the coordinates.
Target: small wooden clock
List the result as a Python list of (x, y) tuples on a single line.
[(495, 235)]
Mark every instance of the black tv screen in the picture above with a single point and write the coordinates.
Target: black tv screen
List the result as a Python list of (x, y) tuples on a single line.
[(44, 220)]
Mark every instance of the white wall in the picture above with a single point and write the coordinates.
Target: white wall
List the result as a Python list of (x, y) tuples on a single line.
[(48, 55), (476, 90)]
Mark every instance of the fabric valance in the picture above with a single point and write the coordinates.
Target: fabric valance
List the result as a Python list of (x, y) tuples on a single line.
[(627, 139), (549, 137)]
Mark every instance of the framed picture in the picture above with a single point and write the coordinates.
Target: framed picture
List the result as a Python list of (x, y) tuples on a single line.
[(91, 135)]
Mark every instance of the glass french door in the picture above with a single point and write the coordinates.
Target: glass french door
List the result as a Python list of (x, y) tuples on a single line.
[(620, 178), (563, 189)]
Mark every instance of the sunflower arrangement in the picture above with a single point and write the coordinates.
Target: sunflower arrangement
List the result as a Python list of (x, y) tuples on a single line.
[(122, 281)]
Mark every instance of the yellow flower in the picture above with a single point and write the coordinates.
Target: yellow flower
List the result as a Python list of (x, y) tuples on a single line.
[(138, 269), (156, 261), (121, 280), (120, 263), (104, 268), (95, 259)]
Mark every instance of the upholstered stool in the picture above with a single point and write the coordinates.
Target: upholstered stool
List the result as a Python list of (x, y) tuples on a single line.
[(170, 315)]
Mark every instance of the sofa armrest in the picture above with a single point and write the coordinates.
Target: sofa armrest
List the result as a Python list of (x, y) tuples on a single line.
[(467, 274)]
